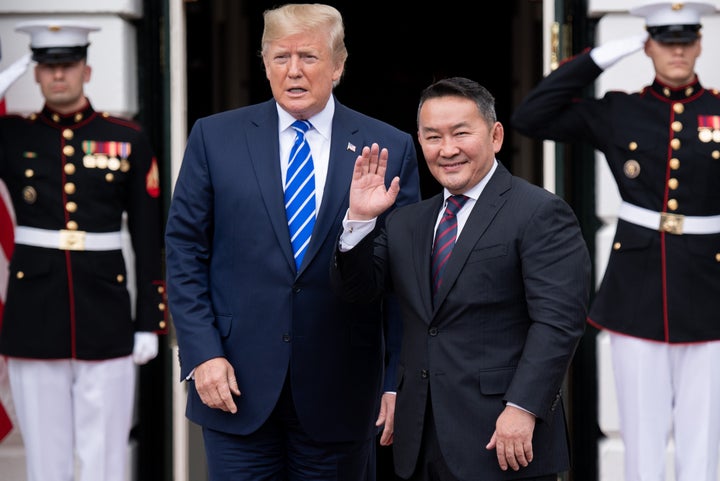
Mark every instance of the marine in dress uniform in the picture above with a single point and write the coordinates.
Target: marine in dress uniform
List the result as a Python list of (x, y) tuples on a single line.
[(660, 294), (69, 328)]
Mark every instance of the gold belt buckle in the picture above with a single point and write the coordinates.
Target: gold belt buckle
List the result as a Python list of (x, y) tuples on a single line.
[(72, 240), (671, 223)]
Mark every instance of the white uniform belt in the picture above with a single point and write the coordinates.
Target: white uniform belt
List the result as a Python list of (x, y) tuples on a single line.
[(669, 222), (71, 240)]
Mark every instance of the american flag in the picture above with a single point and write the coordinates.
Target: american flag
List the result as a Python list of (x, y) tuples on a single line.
[(7, 242)]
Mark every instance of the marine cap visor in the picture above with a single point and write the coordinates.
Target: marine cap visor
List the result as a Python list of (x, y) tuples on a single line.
[(674, 33), (55, 55)]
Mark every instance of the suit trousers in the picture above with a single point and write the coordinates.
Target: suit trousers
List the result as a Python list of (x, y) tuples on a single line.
[(281, 450), (668, 390), (70, 410)]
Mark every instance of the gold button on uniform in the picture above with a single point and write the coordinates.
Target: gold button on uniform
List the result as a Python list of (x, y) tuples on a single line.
[(69, 150), (716, 154), (29, 173), (109, 177), (78, 117), (68, 134), (632, 146), (29, 194), (672, 204), (631, 169), (120, 278), (71, 206), (677, 126), (69, 188), (674, 164), (69, 169), (675, 144), (717, 257), (71, 225), (162, 324), (678, 108), (616, 246), (20, 274), (673, 183)]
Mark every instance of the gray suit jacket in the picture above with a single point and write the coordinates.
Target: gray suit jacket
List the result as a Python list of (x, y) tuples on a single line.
[(504, 326)]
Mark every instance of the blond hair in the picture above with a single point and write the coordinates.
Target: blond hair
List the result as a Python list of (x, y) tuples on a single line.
[(294, 18)]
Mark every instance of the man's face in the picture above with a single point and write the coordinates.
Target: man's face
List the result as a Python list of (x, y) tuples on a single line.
[(674, 62), (62, 84), (458, 144), (301, 72)]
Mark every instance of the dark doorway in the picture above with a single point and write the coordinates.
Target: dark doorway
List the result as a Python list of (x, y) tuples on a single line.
[(393, 55), (394, 52)]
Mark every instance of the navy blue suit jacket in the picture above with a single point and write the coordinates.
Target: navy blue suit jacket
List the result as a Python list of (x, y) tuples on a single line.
[(234, 290)]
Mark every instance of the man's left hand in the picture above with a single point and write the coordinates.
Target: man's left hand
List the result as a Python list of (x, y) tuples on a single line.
[(386, 418), (512, 439)]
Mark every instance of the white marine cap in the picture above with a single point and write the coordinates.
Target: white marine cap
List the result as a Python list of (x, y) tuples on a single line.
[(57, 40), (673, 22)]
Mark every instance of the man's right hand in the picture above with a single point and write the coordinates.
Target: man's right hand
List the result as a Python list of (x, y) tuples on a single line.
[(368, 196), (13, 72), (611, 52), (216, 384)]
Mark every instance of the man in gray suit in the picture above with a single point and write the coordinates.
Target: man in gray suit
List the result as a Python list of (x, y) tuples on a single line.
[(491, 322)]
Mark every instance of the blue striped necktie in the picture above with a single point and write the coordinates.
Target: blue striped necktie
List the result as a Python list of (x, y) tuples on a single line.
[(300, 192), (445, 239)]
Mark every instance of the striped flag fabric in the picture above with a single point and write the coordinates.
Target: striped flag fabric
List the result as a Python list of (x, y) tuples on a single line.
[(7, 242)]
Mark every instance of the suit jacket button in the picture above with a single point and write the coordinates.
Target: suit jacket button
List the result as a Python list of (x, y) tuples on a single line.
[(433, 331), (286, 338), (424, 374)]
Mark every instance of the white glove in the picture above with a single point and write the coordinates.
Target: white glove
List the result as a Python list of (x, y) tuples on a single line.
[(145, 348), (13, 72), (611, 52)]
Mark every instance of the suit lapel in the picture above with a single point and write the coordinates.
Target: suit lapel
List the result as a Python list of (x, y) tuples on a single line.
[(263, 143), (345, 133), (422, 239), (483, 213)]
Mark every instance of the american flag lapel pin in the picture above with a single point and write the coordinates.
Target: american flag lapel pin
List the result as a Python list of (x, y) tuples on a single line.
[(351, 147)]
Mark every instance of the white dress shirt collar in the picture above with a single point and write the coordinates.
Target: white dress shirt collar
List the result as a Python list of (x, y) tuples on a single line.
[(321, 122)]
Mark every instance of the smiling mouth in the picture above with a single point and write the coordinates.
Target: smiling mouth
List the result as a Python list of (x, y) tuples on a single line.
[(454, 164)]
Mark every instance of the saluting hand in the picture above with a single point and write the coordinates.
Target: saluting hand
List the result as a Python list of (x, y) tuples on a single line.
[(368, 196)]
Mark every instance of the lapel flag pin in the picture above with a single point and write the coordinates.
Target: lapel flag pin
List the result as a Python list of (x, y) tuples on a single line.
[(351, 147)]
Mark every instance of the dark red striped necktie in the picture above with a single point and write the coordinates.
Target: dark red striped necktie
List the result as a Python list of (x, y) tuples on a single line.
[(445, 239)]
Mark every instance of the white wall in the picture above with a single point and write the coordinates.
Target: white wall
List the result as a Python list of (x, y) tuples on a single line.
[(112, 51)]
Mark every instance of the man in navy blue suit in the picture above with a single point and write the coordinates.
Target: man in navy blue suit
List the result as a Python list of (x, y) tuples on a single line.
[(284, 377)]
